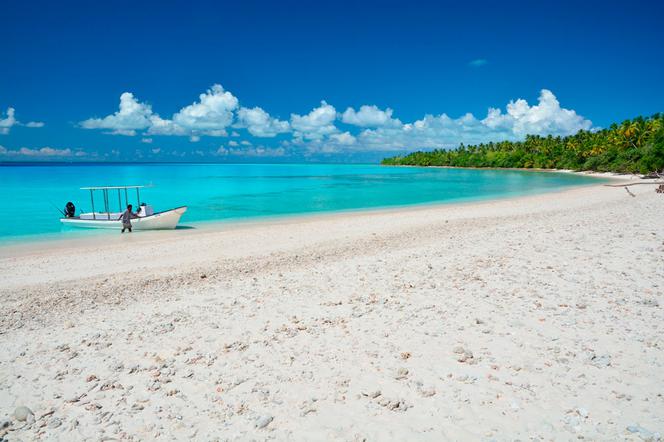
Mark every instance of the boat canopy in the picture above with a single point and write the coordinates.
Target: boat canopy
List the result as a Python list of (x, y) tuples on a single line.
[(107, 201), (111, 187)]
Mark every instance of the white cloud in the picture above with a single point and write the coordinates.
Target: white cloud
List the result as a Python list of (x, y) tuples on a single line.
[(217, 111), (8, 120), (42, 152), (440, 131), (159, 126), (546, 117), (259, 151), (131, 116), (316, 124), (369, 116), (344, 138), (213, 111), (47, 151), (211, 115), (259, 123)]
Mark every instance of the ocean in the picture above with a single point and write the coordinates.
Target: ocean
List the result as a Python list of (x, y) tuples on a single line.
[(31, 194)]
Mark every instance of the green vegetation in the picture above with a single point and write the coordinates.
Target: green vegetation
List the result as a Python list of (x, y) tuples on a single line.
[(635, 146)]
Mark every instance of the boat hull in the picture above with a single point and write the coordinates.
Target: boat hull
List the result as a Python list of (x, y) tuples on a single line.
[(159, 221)]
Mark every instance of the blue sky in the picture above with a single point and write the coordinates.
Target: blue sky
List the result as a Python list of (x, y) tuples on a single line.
[(287, 81)]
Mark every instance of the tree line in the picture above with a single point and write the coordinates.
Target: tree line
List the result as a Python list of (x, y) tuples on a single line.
[(634, 146)]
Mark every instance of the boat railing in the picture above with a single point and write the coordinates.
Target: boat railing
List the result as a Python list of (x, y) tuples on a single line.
[(106, 197)]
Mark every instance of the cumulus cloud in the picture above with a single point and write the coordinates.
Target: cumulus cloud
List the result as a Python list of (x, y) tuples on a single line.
[(259, 123), (8, 120), (210, 116), (440, 131), (316, 124), (213, 112), (217, 111), (369, 116), (131, 116), (344, 138), (42, 152), (259, 151), (160, 126), (546, 117)]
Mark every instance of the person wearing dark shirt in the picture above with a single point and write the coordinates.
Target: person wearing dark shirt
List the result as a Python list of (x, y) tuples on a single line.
[(126, 218)]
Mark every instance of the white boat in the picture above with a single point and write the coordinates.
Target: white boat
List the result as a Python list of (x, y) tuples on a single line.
[(147, 218)]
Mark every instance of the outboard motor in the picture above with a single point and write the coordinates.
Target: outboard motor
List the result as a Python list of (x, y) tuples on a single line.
[(70, 210)]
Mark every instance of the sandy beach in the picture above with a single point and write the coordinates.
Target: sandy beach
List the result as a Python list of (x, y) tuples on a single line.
[(533, 318)]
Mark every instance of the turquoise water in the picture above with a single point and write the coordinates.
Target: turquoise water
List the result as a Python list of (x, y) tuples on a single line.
[(29, 192)]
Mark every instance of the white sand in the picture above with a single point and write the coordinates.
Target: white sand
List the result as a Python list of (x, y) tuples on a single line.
[(532, 318)]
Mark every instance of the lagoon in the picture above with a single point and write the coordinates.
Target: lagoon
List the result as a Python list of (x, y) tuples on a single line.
[(32, 193)]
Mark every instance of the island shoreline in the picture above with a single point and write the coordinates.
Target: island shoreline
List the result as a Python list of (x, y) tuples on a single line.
[(33, 243)]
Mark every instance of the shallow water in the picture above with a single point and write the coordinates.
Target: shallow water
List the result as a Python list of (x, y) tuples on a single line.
[(32, 193)]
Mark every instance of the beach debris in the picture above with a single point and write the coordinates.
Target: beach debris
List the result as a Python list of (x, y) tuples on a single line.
[(649, 302), (572, 422), (54, 422), (373, 394), (405, 355), (308, 406), (4, 427), (24, 414), (47, 413), (602, 361), (427, 391), (643, 433), (464, 354), (393, 404), (263, 421), (402, 373)]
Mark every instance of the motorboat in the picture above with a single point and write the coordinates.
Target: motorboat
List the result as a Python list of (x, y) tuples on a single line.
[(146, 217)]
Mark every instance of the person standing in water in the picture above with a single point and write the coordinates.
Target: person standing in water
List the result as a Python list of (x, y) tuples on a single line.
[(126, 218)]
